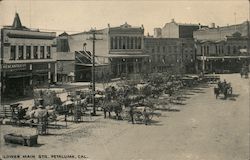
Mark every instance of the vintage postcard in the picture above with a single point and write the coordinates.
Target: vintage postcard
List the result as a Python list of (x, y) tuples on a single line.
[(124, 80)]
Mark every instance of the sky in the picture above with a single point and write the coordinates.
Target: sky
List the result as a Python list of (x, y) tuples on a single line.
[(75, 16)]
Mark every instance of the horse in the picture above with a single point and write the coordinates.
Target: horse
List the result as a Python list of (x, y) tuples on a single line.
[(112, 106)]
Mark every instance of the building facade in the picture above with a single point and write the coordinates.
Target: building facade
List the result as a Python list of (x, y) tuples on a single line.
[(170, 54), (223, 49), (120, 49), (176, 30), (26, 59)]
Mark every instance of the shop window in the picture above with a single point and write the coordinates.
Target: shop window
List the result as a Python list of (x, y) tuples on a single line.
[(35, 52), (42, 52), (28, 52), (48, 52), (12, 52), (20, 52)]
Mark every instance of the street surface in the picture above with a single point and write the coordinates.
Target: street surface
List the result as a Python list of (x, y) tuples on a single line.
[(205, 128)]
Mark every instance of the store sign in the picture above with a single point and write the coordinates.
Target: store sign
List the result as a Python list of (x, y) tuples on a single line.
[(14, 67)]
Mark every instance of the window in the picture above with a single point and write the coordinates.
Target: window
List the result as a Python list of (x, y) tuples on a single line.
[(136, 46), (48, 52), (164, 49), (132, 43), (228, 50), (158, 49), (120, 43), (170, 49), (153, 50), (234, 50), (207, 50), (12, 52), (175, 49), (111, 42), (128, 45), (42, 52), (28, 52), (222, 49), (115, 42), (139, 43), (35, 52), (20, 52), (216, 49), (124, 42)]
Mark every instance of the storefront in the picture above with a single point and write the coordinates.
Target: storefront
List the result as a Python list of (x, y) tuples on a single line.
[(18, 80)]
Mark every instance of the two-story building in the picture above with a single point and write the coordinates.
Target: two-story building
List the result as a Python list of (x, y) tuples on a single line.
[(26, 59), (117, 49), (223, 49)]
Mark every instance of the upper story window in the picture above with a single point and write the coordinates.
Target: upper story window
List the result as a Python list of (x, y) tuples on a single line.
[(124, 42), (48, 52), (28, 52), (115, 43), (136, 45), (153, 50), (12, 52), (42, 52), (175, 49), (164, 49), (170, 49), (132, 43), (35, 52), (20, 52), (228, 50), (158, 49), (234, 50), (139, 43), (111, 43)]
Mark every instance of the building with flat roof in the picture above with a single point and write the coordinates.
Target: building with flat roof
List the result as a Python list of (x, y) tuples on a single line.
[(170, 54), (223, 49), (176, 30), (27, 59), (120, 48)]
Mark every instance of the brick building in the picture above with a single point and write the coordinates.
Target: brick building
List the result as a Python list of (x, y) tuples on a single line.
[(27, 59), (170, 54)]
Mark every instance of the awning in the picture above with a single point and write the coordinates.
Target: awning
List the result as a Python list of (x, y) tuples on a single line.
[(126, 56), (221, 57), (90, 65)]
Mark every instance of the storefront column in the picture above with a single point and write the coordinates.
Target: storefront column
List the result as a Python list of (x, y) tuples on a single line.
[(55, 75)]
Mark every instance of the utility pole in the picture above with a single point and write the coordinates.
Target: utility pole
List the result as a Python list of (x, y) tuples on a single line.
[(93, 38)]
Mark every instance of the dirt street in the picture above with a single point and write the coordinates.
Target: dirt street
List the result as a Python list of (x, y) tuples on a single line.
[(205, 128)]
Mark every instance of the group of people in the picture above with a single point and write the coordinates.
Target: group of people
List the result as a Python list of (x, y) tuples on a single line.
[(224, 88)]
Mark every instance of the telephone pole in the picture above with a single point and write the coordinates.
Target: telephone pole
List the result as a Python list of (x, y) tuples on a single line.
[(93, 38)]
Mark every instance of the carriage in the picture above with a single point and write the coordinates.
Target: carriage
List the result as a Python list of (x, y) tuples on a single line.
[(225, 89), (141, 114)]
